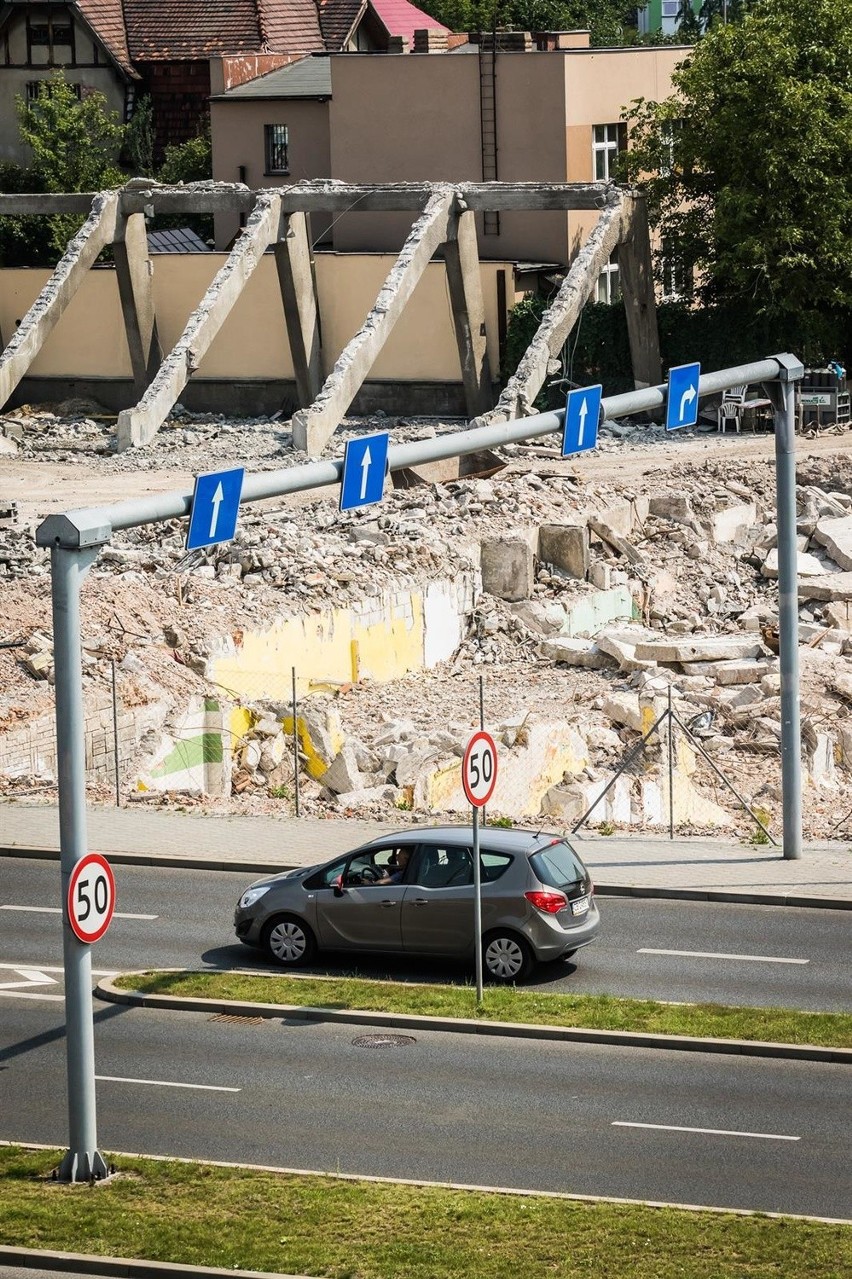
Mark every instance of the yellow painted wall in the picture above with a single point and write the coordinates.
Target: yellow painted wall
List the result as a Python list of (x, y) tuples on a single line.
[(89, 340), (337, 646)]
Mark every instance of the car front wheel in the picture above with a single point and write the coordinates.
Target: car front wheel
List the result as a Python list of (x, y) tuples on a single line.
[(506, 957), (288, 941)]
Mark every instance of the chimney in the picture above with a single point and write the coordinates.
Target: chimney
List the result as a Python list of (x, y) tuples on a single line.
[(397, 44), (429, 40), (546, 41)]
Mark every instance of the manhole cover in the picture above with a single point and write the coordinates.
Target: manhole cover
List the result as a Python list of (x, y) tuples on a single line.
[(383, 1041)]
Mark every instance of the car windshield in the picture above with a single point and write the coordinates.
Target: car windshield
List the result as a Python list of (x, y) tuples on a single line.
[(558, 865)]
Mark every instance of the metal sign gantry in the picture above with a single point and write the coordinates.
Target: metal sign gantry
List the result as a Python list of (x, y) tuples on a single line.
[(76, 537)]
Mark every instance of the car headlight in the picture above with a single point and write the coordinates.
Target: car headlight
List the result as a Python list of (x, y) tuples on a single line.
[(251, 895)]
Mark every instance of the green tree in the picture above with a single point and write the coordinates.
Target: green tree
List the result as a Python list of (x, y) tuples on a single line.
[(139, 138), (74, 143), (190, 161), (609, 21), (747, 167), (688, 23)]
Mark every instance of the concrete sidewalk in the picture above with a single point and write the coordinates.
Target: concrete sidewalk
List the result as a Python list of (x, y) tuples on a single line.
[(711, 869)]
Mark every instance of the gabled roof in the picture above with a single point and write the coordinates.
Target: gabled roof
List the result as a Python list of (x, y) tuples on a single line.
[(399, 18), (307, 78), (338, 19)]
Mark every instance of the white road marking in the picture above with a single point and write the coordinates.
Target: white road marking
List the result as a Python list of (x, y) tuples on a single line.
[(712, 1132), (164, 1083), (46, 968), (31, 976), (57, 910), (709, 954), (24, 994)]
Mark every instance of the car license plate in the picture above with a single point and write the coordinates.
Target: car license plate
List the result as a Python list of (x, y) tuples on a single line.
[(580, 906)]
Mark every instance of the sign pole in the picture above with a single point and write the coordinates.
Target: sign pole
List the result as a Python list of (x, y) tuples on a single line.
[(82, 1161), (477, 904)]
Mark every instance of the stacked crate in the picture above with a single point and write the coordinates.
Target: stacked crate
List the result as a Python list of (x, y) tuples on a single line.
[(823, 398)]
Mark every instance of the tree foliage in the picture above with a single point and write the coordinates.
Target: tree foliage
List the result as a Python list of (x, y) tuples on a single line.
[(608, 20), (747, 167)]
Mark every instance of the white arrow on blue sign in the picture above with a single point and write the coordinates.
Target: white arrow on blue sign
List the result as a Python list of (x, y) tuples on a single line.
[(215, 507), (682, 403), (582, 413), (365, 463)]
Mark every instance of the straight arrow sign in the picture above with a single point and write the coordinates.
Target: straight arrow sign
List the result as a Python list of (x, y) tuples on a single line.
[(216, 503), (365, 473)]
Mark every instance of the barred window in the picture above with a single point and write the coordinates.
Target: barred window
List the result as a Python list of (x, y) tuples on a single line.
[(276, 148)]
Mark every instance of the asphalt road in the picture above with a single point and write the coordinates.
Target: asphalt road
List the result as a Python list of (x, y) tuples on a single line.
[(643, 1124), (682, 951)]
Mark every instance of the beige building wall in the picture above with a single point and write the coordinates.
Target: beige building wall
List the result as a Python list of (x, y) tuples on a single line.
[(237, 129), (89, 340), (103, 78)]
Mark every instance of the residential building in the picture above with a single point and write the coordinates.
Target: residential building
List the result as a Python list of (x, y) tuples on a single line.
[(85, 39), (517, 114), (662, 16)]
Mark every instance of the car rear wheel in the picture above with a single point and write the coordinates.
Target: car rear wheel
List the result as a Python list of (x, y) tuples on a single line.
[(288, 941), (506, 957)]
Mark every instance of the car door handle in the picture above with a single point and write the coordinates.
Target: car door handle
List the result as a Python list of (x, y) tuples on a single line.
[(420, 901), (387, 902)]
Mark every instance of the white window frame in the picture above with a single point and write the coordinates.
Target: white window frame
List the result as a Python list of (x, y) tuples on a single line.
[(605, 147), (608, 287)]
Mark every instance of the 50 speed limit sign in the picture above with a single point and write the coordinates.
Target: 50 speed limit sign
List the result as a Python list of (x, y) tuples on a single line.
[(479, 769), (91, 897)]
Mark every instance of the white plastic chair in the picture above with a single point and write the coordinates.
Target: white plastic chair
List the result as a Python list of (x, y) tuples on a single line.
[(732, 408)]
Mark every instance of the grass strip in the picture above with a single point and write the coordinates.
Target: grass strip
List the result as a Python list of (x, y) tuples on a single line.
[(508, 1004), (237, 1218)]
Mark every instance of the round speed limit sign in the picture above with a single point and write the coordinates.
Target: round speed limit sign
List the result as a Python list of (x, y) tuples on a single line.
[(479, 769), (91, 897)]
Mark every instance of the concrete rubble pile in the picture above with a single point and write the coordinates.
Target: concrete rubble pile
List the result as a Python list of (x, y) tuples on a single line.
[(593, 600)]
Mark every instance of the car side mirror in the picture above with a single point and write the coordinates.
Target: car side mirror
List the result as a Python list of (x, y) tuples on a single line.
[(337, 885)]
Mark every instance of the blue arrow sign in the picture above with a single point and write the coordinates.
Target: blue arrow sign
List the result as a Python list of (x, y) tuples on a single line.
[(215, 506), (582, 413), (365, 462), (682, 403)]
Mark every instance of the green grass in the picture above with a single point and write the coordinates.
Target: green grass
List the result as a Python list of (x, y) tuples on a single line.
[(598, 1012), (236, 1218)]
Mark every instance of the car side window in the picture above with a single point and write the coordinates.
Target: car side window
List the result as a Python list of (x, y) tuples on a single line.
[(493, 865), (325, 878), (373, 867), (443, 866)]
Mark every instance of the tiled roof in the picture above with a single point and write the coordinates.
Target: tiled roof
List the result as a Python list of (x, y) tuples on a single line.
[(290, 26), (338, 18), (177, 30), (308, 78), (106, 19), (399, 18)]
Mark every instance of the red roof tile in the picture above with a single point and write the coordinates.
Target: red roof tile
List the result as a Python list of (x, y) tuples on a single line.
[(291, 26), (399, 18), (106, 19), (177, 30)]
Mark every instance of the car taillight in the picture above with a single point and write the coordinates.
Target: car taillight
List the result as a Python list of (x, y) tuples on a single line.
[(550, 903)]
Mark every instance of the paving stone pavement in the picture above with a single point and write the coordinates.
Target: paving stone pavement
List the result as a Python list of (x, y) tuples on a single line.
[(632, 864)]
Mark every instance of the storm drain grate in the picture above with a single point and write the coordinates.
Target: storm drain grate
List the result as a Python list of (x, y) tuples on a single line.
[(383, 1041), (234, 1019)]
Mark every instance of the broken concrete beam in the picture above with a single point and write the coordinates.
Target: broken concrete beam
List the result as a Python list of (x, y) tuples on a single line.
[(31, 334), (295, 266), (464, 280), (832, 587), (561, 316), (708, 648), (508, 568), (575, 652), (621, 645), (135, 278), (545, 619), (343, 773), (624, 708), (806, 565), (836, 536), (137, 426), (747, 671), (314, 426), (636, 275), (608, 534), (566, 547)]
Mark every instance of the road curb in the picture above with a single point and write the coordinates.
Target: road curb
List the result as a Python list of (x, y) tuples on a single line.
[(108, 991), (41, 1259), (258, 867)]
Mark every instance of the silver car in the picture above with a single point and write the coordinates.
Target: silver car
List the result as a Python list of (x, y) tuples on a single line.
[(412, 893)]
